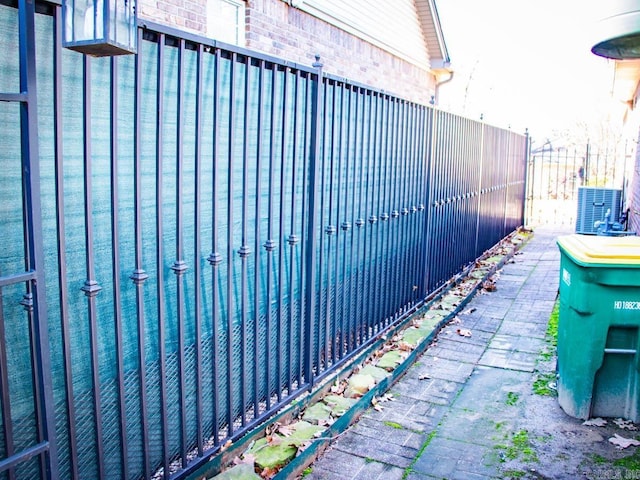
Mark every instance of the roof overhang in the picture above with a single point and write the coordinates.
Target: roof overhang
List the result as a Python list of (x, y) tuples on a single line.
[(627, 79), (432, 30)]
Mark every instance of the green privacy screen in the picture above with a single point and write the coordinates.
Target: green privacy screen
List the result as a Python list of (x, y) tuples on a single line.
[(221, 230)]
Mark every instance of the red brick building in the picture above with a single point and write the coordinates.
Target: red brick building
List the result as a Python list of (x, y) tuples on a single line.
[(394, 46)]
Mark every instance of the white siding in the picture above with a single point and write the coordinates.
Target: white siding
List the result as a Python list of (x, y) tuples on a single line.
[(392, 25)]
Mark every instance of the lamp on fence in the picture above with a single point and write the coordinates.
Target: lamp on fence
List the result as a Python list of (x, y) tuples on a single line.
[(100, 27)]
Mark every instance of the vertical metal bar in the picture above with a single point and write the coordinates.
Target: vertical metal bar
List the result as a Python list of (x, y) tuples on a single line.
[(342, 223), (5, 397), (375, 208), (34, 256), (215, 257), (421, 199), (428, 273), (396, 205), (139, 275), (115, 264), (404, 212), (361, 221), (91, 286), (230, 189), (270, 244), (281, 199), (197, 267), (292, 239), (524, 173), (162, 361), (257, 368), (351, 157), (245, 250), (411, 204), (62, 255), (179, 267), (304, 246), (338, 282), (322, 283), (385, 174), (310, 261), (481, 200)]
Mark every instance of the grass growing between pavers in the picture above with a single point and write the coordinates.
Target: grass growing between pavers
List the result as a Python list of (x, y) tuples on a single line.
[(409, 470), (545, 381), (518, 447), (551, 334)]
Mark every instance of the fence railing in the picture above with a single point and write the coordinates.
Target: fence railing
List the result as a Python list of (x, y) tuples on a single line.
[(555, 174), (220, 230)]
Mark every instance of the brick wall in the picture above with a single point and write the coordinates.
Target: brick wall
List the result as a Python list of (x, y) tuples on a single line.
[(273, 27), (189, 15), (276, 28)]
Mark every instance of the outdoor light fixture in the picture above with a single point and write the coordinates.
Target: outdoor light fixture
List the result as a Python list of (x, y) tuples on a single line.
[(617, 34), (100, 28)]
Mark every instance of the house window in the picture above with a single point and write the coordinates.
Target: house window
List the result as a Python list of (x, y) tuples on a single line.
[(226, 21)]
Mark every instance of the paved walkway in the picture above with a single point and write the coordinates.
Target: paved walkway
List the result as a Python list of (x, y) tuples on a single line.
[(467, 408)]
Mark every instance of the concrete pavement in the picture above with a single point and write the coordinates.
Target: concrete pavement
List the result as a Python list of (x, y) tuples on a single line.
[(480, 407)]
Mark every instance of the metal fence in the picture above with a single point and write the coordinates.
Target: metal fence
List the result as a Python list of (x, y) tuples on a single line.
[(555, 174), (195, 235)]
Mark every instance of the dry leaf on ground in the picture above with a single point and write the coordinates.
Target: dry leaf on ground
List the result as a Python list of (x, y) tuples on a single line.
[(622, 442), (595, 422), (463, 332), (625, 424)]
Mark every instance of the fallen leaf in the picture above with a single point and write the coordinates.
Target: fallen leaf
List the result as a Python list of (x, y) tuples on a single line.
[(489, 286), (338, 388), (595, 422), (285, 430), (268, 472), (424, 377), (468, 311), (625, 424), (622, 442), (463, 332), (378, 408), (226, 445), (247, 458)]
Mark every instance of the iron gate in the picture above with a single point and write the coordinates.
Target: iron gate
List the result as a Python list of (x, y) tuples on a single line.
[(556, 173)]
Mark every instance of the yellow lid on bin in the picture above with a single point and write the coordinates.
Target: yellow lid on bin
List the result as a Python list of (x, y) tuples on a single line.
[(601, 250)]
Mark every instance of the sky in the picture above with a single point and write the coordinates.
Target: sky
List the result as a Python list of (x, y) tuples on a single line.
[(524, 64)]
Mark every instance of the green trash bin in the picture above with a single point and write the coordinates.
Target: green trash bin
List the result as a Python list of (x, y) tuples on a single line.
[(598, 329)]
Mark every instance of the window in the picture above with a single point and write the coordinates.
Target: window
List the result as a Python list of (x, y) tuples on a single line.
[(226, 21)]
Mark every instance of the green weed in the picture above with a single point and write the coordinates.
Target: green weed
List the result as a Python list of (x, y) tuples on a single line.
[(519, 448), (394, 425), (512, 398), (541, 385), (552, 326)]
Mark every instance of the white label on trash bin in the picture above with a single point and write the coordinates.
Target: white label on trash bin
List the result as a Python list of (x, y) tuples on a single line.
[(566, 276), (625, 305)]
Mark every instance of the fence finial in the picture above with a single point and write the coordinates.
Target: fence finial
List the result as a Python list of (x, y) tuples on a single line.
[(317, 63)]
